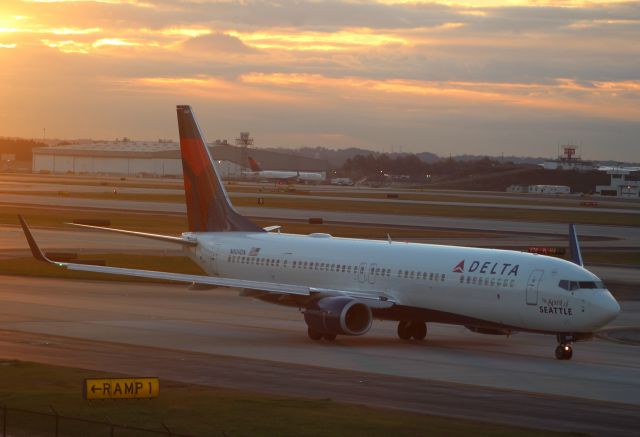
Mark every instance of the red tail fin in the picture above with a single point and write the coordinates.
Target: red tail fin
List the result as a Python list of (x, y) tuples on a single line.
[(208, 206), (253, 164)]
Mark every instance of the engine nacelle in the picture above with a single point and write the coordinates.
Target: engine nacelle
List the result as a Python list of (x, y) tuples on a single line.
[(339, 315)]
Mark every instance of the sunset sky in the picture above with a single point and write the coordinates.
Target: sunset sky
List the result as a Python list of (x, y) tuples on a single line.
[(478, 77)]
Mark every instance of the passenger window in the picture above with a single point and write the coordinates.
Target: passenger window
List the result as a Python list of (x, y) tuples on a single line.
[(437, 276), (461, 279), (412, 273), (344, 268), (348, 269), (431, 276), (406, 274), (293, 265), (475, 280), (468, 279), (513, 281), (442, 278)]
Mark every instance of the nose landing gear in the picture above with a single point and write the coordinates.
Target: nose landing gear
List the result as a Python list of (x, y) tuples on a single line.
[(564, 351)]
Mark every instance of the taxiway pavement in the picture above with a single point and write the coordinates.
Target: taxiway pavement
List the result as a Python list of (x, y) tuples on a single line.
[(478, 372)]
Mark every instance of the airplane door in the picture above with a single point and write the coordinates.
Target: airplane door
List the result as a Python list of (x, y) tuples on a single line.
[(532, 287), (287, 261), (372, 271), (362, 272)]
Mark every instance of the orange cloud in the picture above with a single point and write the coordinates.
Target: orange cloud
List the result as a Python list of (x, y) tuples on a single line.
[(292, 39), (565, 95)]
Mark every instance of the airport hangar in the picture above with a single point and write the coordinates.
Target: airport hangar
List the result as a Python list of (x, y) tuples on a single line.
[(159, 159)]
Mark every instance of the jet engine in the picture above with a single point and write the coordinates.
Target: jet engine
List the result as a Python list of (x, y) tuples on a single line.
[(338, 315)]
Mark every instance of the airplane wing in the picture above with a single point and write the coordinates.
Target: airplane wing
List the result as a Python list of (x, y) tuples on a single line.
[(166, 238), (375, 301)]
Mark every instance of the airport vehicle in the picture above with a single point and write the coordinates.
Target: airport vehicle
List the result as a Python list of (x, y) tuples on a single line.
[(341, 181), (342, 284), (282, 175)]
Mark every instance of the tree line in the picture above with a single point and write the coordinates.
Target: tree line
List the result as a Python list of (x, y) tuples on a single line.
[(379, 167)]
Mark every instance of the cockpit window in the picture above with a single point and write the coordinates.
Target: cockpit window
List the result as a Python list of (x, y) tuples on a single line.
[(584, 285)]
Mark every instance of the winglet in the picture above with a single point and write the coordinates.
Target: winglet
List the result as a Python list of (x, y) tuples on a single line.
[(35, 250), (574, 246)]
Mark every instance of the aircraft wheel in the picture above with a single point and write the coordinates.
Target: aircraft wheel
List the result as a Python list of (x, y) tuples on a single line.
[(329, 337), (404, 329), (314, 335), (564, 352), (418, 330)]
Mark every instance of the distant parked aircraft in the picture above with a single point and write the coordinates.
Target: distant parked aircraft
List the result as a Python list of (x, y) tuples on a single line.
[(282, 175)]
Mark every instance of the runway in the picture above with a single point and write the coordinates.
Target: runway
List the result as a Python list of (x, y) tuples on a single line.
[(183, 324)]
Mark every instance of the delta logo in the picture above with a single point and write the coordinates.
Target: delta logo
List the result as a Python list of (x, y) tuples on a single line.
[(459, 268), (488, 267)]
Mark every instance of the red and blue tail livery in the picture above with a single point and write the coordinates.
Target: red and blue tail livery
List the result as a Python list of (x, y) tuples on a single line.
[(208, 206)]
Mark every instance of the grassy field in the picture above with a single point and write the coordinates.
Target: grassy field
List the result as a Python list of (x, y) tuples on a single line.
[(29, 266), (602, 257), (175, 224), (208, 411)]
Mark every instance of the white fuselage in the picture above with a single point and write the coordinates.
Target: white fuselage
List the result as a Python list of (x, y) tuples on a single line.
[(514, 289), (286, 175)]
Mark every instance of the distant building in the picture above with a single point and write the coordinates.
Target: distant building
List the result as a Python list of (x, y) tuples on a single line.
[(549, 189), (157, 159), (621, 185), (128, 158), (517, 188), (539, 189)]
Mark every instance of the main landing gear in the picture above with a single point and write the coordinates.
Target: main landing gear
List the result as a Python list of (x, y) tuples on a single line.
[(317, 335), (408, 329)]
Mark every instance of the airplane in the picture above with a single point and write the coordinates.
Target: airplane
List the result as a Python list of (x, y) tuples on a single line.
[(286, 176), (342, 284)]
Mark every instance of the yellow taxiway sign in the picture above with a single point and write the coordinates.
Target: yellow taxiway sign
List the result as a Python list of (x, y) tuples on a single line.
[(121, 388)]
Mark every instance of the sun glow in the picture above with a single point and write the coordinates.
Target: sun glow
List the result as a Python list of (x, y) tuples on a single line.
[(347, 39)]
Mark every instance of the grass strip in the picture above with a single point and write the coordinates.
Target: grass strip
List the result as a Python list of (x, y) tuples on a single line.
[(171, 224), (208, 411), (29, 266)]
